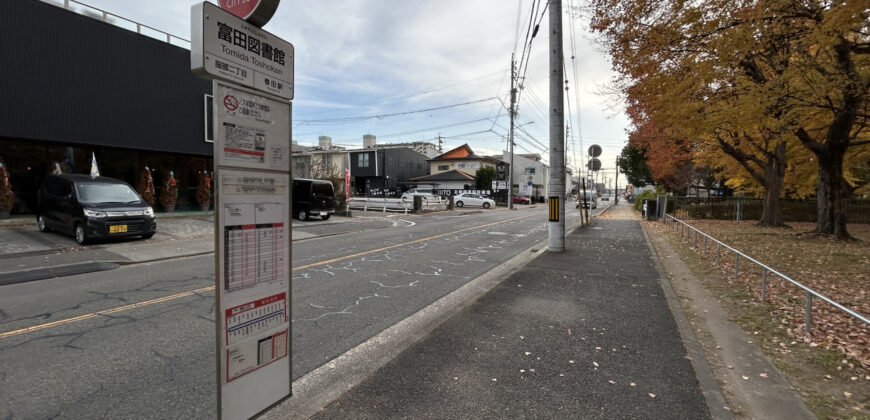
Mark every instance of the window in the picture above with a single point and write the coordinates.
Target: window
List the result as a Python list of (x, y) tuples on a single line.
[(530, 170), (443, 167), (362, 160)]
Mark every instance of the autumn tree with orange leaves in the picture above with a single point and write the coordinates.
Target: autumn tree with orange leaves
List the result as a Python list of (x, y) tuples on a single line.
[(756, 81)]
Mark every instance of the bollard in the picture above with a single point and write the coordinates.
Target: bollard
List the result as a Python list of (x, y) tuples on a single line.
[(763, 284), (736, 266), (808, 318)]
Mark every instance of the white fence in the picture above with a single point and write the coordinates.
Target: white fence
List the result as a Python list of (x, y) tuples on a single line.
[(395, 204)]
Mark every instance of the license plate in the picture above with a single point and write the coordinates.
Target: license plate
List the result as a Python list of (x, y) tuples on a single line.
[(324, 213), (118, 229)]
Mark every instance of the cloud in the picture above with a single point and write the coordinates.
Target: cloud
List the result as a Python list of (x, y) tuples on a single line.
[(371, 57)]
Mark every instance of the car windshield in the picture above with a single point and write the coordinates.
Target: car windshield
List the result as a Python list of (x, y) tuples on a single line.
[(95, 193)]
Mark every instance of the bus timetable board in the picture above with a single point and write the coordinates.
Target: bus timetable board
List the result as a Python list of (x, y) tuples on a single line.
[(252, 85), (252, 249)]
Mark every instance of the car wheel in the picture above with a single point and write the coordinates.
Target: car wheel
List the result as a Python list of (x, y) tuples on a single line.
[(459, 204), (81, 234), (147, 236), (486, 205), (302, 215), (40, 224), (326, 217)]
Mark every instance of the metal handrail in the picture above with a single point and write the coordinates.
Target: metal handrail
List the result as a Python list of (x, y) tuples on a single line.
[(808, 316), (104, 16)]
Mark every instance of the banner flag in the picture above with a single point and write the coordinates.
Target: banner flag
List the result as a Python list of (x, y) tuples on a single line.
[(95, 172)]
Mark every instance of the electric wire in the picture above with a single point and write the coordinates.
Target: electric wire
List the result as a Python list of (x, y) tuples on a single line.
[(382, 116)]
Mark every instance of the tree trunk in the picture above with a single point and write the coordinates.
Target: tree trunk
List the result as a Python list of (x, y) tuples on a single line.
[(774, 174), (831, 197)]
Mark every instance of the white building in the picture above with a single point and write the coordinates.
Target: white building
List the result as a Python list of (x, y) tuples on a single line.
[(531, 177)]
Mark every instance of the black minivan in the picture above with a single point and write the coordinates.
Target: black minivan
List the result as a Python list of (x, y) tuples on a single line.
[(93, 208), (313, 197)]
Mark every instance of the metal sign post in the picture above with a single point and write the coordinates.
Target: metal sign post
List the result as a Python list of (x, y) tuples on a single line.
[(252, 72)]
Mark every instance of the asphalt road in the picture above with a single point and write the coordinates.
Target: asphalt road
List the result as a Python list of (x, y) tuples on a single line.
[(153, 356)]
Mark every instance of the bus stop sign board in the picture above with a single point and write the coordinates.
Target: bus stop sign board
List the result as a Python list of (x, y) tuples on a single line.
[(226, 47)]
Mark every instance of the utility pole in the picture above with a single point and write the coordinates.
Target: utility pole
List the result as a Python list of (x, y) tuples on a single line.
[(513, 112), (439, 141), (556, 226), (584, 212), (616, 183)]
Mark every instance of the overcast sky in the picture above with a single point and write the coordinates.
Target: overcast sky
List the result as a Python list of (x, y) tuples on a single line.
[(376, 57)]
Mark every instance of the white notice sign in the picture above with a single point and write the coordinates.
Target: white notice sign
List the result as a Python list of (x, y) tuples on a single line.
[(253, 131), (253, 277)]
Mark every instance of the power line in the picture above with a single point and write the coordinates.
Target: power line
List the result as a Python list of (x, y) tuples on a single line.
[(432, 128), (382, 116)]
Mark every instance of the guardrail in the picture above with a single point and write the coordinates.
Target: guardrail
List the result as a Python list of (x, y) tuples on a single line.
[(394, 204), (686, 230), (119, 21)]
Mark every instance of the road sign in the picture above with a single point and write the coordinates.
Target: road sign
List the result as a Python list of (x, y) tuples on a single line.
[(258, 12), (226, 47), (499, 185), (595, 150), (594, 164)]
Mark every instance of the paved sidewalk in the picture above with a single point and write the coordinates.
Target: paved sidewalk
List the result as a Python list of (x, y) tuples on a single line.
[(587, 333)]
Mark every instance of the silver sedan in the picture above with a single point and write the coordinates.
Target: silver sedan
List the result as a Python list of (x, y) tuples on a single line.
[(469, 199)]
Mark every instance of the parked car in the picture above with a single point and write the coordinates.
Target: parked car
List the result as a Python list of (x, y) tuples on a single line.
[(518, 199), (605, 197), (93, 208), (313, 197), (425, 192), (588, 200), (469, 199)]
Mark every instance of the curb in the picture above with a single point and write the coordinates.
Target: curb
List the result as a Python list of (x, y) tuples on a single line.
[(56, 271)]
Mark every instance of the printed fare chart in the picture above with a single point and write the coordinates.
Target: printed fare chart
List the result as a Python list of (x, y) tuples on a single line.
[(254, 241), (255, 319)]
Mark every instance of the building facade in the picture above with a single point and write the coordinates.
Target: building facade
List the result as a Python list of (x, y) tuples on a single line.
[(387, 171), (462, 159), (74, 85)]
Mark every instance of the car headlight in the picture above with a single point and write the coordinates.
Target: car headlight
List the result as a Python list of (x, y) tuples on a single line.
[(93, 213), (149, 211)]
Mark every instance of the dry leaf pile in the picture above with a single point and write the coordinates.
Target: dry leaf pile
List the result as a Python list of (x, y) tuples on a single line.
[(838, 270)]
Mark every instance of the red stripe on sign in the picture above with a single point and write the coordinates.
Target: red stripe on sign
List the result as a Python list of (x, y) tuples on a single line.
[(244, 152)]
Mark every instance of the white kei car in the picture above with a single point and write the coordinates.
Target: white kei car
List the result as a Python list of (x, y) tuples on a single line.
[(469, 199)]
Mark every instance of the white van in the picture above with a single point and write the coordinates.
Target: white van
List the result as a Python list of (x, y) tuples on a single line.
[(425, 192), (588, 200)]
